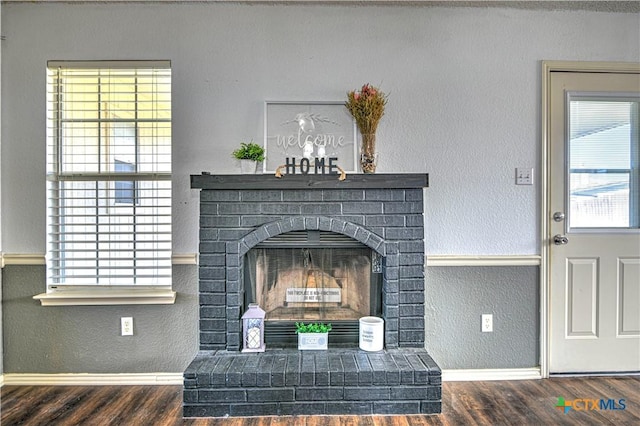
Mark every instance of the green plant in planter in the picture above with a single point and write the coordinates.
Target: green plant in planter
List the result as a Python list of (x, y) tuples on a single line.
[(249, 151), (317, 327)]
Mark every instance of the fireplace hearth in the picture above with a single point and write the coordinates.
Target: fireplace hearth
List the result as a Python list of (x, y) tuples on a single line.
[(310, 247)]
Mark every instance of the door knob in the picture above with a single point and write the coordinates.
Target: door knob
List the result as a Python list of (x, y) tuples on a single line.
[(560, 240)]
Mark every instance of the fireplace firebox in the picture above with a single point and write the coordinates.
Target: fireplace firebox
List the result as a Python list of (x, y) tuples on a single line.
[(311, 248), (313, 276)]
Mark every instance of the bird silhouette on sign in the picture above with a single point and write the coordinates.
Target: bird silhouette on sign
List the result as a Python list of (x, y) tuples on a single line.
[(307, 121)]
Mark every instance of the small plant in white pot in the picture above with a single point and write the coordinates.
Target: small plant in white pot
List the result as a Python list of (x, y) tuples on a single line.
[(250, 155), (313, 336)]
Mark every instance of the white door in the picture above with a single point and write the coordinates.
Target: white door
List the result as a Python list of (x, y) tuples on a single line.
[(594, 223)]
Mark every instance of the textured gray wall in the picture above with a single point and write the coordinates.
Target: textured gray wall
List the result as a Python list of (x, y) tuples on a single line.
[(1, 328), (1, 348), (463, 84), (463, 107), (456, 297), (86, 339)]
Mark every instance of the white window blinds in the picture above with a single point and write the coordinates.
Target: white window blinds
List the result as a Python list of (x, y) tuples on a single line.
[(604, 156), (109, 173)]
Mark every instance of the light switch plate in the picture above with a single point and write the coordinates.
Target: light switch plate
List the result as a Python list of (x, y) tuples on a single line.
[(524, 176)]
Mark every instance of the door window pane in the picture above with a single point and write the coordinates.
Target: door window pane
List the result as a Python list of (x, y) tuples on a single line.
[(603, 163)]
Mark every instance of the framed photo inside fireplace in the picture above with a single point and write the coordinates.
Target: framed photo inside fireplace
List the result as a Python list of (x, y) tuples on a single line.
[(311, 130)]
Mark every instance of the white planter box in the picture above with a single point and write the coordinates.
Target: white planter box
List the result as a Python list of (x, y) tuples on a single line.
[(313, 341)]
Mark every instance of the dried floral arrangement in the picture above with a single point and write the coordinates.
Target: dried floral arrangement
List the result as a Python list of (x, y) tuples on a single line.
[(367, 107)]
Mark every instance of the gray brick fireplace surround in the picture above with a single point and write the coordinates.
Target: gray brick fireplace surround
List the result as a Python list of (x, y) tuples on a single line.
[(381, 211)]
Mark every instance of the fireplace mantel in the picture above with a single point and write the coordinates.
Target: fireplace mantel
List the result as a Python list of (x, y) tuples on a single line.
[(299, 181)]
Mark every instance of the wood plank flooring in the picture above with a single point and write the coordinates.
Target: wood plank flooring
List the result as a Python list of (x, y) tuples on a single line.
[(527, 402)]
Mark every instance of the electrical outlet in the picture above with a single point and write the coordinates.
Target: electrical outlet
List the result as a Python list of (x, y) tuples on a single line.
[(487, 323), (524, 176), (126, 326)]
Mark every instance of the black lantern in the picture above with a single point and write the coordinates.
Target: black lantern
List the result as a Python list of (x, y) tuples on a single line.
[(253, 329)]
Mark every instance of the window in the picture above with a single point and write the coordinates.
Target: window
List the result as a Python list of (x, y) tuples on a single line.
[(125, 190), (604, 161), (108, 175), (124, 137)]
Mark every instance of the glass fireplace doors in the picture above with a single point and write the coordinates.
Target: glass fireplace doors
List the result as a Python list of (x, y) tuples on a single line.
[(313, 277)]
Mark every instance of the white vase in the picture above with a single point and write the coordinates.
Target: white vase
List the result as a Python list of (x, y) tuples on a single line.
[(248, 167), (371, 334)]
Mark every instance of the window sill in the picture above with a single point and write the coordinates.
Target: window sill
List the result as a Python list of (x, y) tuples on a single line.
[(107, 297)]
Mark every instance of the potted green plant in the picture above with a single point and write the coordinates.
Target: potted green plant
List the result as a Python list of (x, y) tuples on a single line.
[(313, 336), (249, 154)]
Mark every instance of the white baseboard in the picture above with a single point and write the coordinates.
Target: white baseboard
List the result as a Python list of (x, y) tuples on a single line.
[(88, 379), (490, 374)]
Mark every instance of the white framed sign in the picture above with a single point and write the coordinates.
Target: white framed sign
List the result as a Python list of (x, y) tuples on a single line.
[(309, 130), (309, 295)]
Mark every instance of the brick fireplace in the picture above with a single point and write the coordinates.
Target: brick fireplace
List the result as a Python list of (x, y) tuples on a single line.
[(383, 213)]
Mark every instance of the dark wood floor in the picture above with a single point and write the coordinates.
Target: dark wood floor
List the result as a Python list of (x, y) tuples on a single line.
[(527, 402)]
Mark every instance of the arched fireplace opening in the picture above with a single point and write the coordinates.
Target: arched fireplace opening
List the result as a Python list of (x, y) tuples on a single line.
[(313, 276)]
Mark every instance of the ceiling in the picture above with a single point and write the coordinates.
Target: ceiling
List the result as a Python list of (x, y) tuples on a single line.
[(601, 6)]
